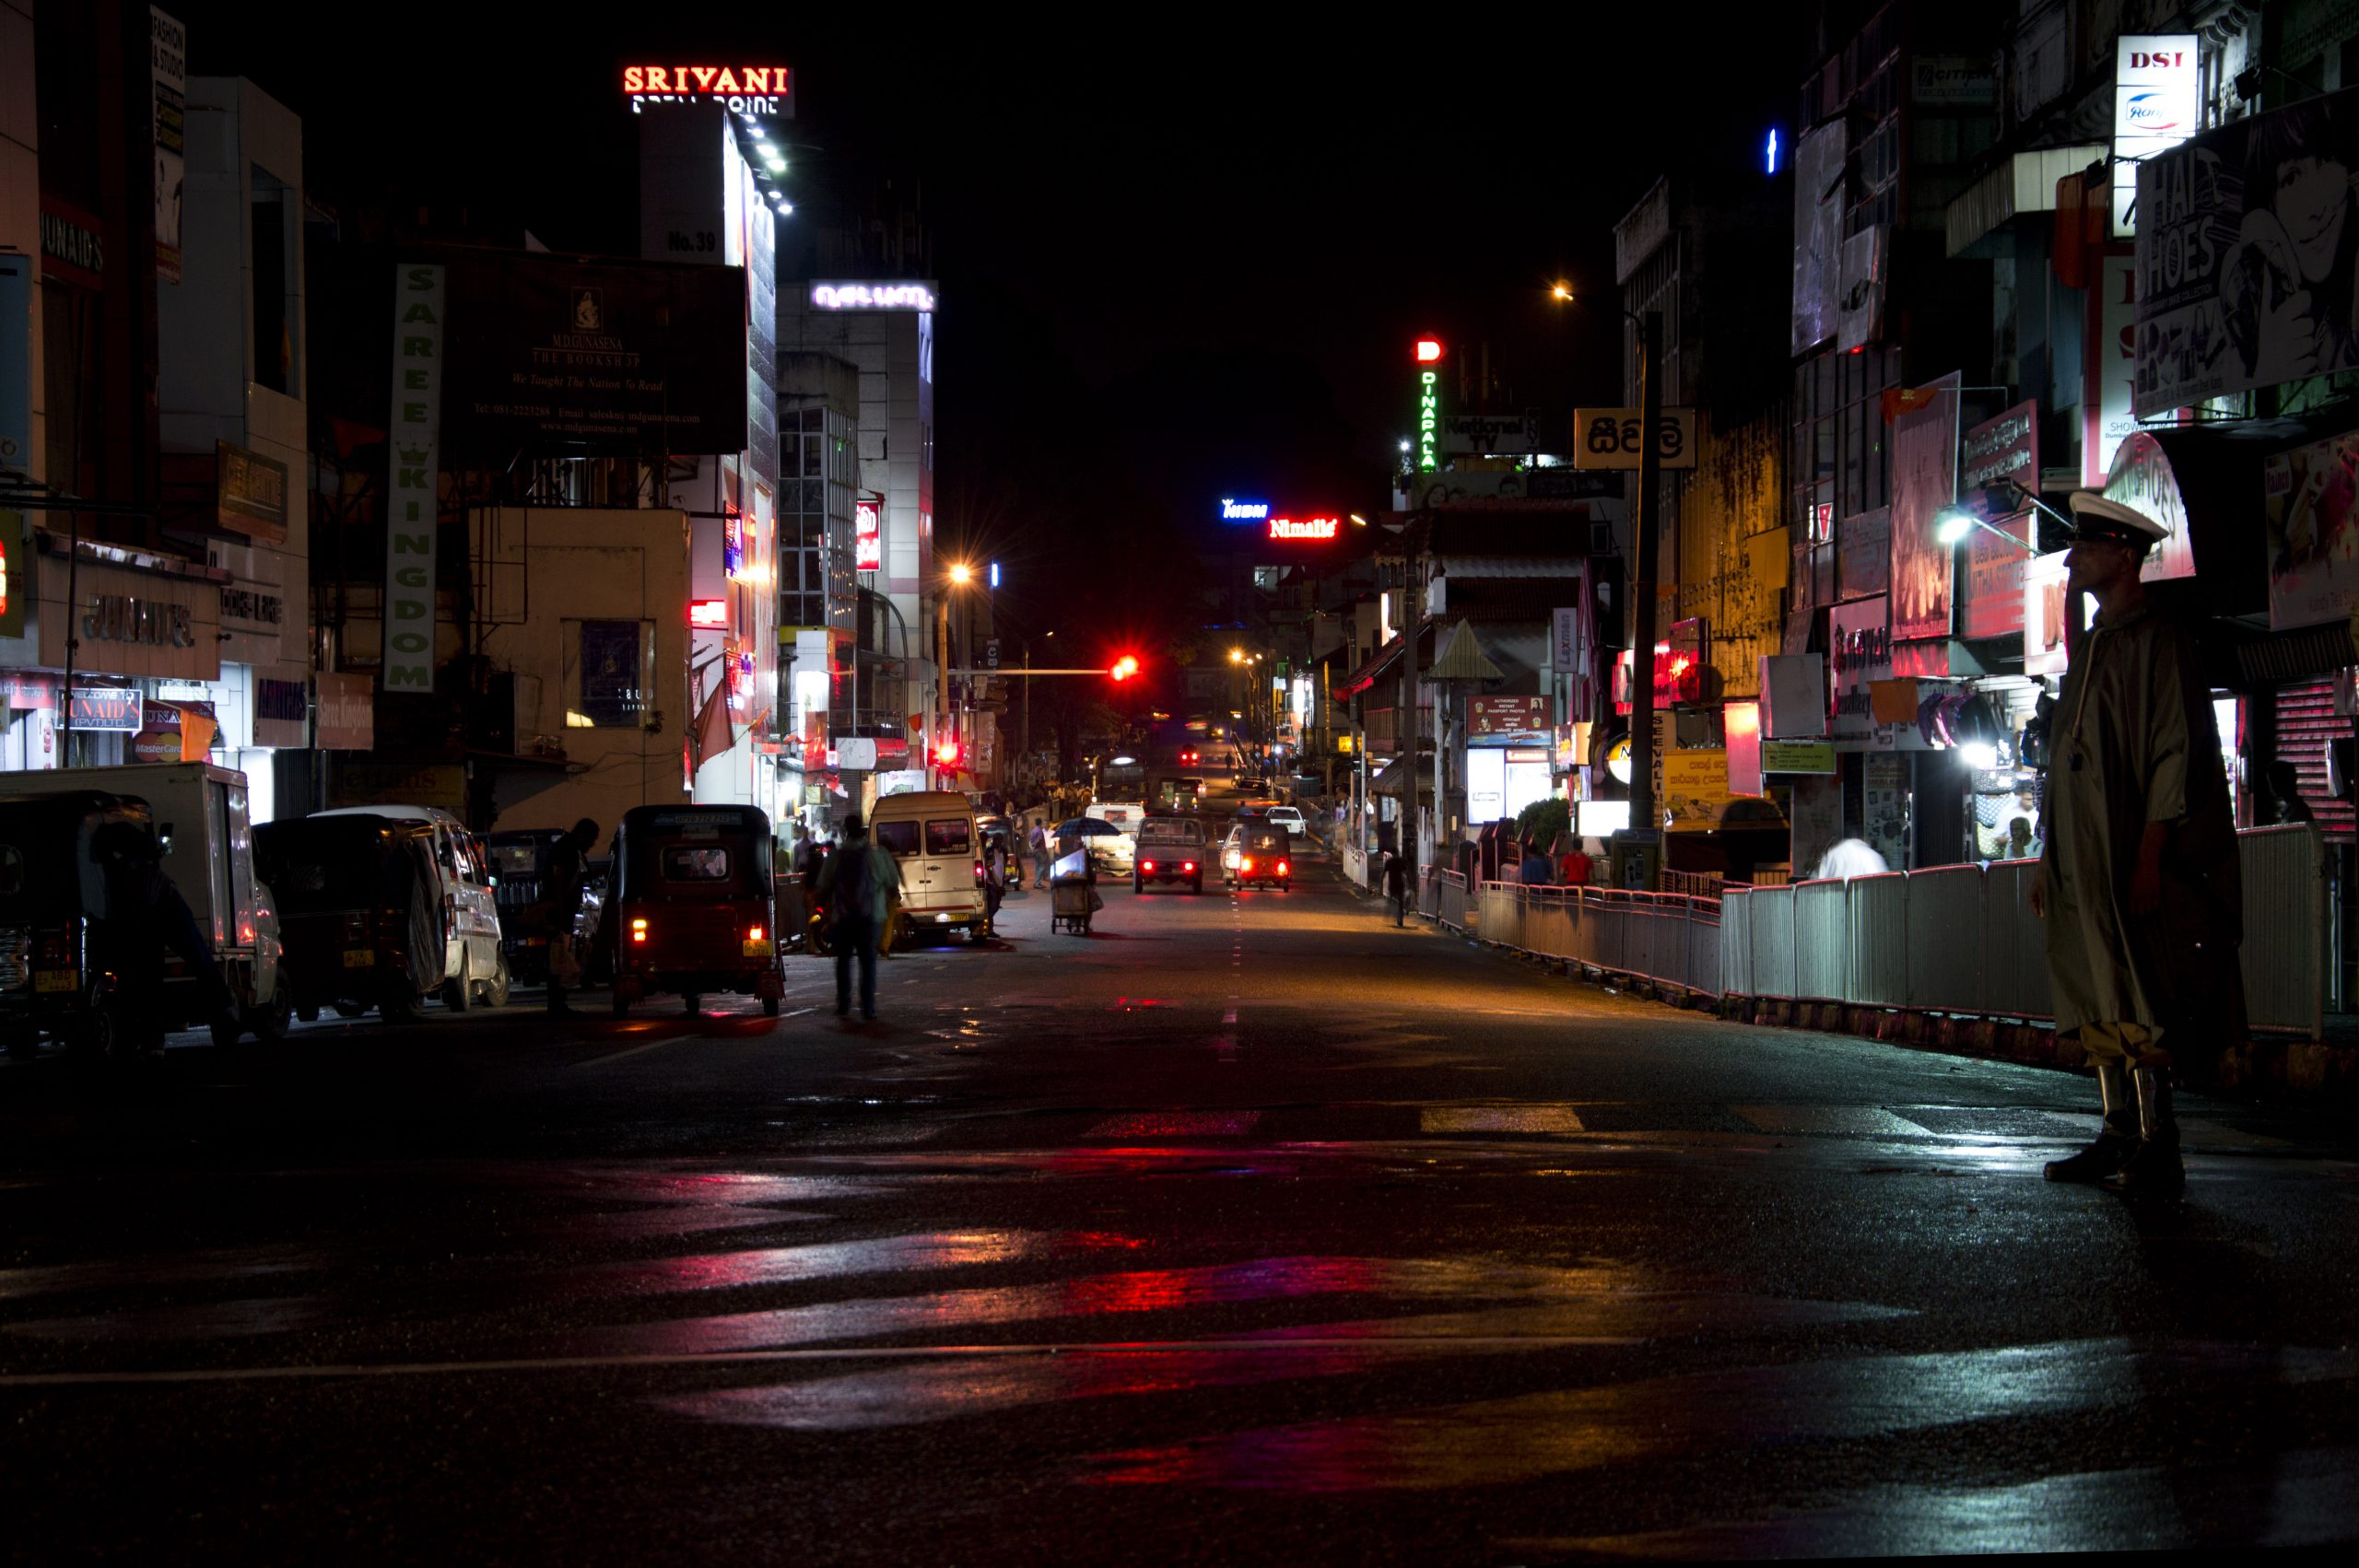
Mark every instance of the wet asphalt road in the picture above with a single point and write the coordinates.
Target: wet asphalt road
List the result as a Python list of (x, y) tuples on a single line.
[(1249, 1229)]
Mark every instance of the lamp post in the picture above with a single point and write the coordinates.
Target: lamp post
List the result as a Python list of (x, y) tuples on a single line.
[(958, 575), (1646, 821), (1644, 813)]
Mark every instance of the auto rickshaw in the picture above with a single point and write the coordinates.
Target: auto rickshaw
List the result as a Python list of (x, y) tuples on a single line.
[(358, 913), (692, 907)]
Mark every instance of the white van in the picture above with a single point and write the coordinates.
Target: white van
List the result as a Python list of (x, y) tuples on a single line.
[(931, 832), (472, 954)]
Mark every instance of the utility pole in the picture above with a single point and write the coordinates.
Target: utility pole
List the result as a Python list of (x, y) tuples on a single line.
[(1413, 609), (1646, 814), (942, 689), (1024, 729)]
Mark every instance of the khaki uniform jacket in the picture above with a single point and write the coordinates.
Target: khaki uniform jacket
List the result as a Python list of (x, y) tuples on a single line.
[(2134, 744)]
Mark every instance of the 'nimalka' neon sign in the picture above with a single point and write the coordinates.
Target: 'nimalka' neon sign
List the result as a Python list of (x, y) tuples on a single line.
[(1303, 528)]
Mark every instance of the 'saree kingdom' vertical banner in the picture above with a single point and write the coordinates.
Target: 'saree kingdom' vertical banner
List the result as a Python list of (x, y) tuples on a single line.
[(411, 500)]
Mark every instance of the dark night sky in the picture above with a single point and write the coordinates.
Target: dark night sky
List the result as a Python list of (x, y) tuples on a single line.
[(1183, 246)]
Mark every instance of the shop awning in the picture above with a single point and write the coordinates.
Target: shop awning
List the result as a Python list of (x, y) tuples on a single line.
[(2301, 654), (1369, 673), (1394, 779)]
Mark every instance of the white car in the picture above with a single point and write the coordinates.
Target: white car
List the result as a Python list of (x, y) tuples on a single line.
[(1289, 818)]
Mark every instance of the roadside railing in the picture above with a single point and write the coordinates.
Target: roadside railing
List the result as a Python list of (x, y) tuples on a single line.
[(1962, 939), (1672, 938), (1949, 939)]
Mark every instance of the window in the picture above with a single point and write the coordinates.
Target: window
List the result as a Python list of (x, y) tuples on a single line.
[(610, 672), (897, 838), (948, 838), (696, 862), (276, 323)]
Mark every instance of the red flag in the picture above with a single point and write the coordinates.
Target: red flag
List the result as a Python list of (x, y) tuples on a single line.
[(1898, 400), (711, 735)]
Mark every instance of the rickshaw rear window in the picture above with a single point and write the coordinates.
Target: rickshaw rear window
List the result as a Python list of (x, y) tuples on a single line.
[(948, 836), (897, 838), (696, 862)]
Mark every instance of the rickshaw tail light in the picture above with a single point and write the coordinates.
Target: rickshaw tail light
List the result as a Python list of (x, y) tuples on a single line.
[(1146, 865), (1284, 869), (1246, 864), (639, 930), (753, 933), (1188, 866)]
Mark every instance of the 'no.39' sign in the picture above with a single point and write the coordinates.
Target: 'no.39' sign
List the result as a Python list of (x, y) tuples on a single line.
[(1608, 438)]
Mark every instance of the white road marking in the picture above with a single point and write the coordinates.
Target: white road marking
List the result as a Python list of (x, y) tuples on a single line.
[(1859, 1121), (652, 1044)]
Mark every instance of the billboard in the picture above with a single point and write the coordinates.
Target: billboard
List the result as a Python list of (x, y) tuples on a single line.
[(2310, 500), (1997, 451), (579, 359), (1819, 157), (413, 494), (2248, 244), (1924, 480), (2156, 105)]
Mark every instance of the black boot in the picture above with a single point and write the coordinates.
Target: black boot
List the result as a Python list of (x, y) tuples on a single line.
[(2154, 1169), (2117, 1140)]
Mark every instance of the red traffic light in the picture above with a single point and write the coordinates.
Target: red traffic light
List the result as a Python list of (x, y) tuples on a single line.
[(946, 754), (1124, 668)]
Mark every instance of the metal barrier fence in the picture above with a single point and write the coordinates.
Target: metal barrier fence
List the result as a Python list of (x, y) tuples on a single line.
[(1963, 938), (1951, 939), (1672, 938)]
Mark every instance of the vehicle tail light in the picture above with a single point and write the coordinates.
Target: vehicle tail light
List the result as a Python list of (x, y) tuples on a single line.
[(1246, 864), (53, 949), (753, 933), (355, 927), (1146, 865), (1189, 866), (979, 871), (1284, 869), (639, 930)]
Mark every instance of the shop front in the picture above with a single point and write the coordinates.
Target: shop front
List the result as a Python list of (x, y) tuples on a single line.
[(147, 629)]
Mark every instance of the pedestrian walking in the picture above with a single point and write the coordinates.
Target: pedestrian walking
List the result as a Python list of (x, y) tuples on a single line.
[(2138, 883), (1396, 886), (1537, 870), (994, 880), (567, 876), (856, 887), (1039, 842)]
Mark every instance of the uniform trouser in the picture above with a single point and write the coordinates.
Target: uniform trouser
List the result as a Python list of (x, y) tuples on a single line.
[(855, 937), (2123, 1043)]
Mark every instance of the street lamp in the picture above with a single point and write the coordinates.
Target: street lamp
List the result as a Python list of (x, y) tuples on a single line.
[(960, 574), (1953, 522)]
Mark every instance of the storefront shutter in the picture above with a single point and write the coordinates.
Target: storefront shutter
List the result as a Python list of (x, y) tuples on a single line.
[(2305, 722)]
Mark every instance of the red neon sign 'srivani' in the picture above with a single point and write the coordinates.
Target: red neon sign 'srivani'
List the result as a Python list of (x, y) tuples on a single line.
[(723, 79), (1305, 528)]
